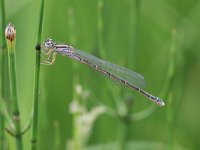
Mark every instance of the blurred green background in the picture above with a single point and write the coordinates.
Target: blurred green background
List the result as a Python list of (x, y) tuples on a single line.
[(157, 38)]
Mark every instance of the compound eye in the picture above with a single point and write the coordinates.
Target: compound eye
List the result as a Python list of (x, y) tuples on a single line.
[(49, 43)]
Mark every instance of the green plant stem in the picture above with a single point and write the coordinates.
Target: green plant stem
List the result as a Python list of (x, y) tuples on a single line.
[(100, 41), (15, 109), (125, 123), (4, 59), (2, 93), (76, 133), (134, 37), (13, 94), (34, 129), (170, 76), (123, 137), (134, 32), (3, 24), (100, 29), (170, 120), (2, 135), (72, 26), (123, 134), (171, 67), (40, 21), (35, 103)]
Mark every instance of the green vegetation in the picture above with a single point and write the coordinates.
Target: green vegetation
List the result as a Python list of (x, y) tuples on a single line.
[(69, 106)]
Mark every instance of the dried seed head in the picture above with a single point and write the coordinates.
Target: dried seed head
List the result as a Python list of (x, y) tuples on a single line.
[(10, 32)]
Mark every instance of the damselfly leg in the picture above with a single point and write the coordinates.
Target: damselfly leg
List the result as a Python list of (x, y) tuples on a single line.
[(48, 58)]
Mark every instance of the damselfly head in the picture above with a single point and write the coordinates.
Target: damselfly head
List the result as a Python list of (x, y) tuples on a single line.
[(48, 54), (48, 45)]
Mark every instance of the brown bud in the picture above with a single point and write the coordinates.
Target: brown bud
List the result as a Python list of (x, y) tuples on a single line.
[(10, 32)]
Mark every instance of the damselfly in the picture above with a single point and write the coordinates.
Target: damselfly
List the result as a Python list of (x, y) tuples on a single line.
[(119, 74)]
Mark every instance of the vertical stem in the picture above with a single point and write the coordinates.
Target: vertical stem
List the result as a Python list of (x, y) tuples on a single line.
[(100, 41), (123, 134), (40, 21), (170, 77), (2, 85), (15, 109), (76, 133), (34, 128), (100, 29), (134, 32), (2, 135), (132, 60), (125, 124), (10, 34), (72, 26), (4, 76), (35, 103), (3, 23), (170, 120), (76, 144), (171, 67)]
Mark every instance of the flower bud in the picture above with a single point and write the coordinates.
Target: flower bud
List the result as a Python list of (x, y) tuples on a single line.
[(10, 33)]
